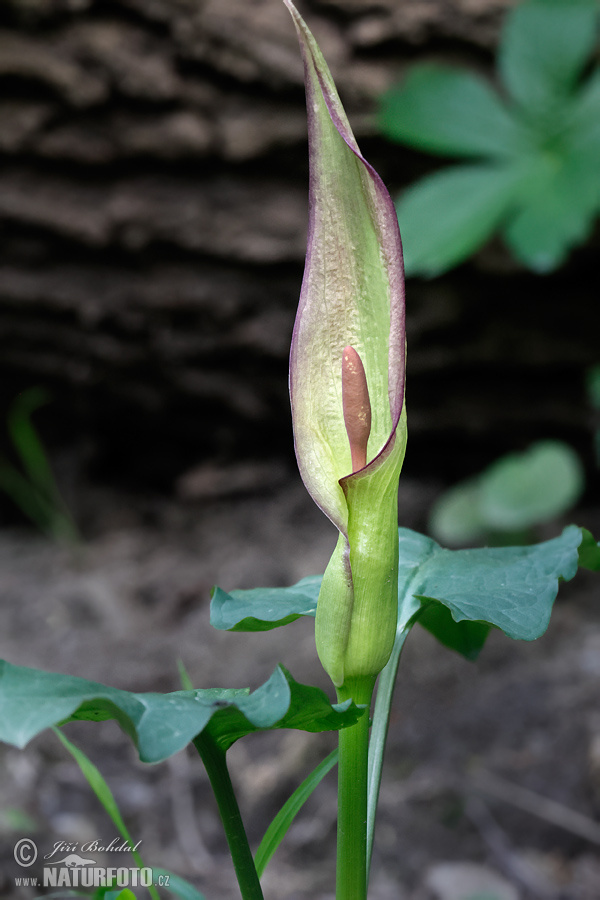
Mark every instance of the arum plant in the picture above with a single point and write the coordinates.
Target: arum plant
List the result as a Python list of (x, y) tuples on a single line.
[(347, 374), (347, 380)]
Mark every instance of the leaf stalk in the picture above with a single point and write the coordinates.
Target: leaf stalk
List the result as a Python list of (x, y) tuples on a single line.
[(214, 760)]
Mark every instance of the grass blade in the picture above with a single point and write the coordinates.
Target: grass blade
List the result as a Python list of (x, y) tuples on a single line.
[(286, 815), (105, 796)]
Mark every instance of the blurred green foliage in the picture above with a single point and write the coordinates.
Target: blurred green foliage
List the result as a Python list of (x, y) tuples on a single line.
[(593, 392), (512, 496), (532, 147), (31, 485)]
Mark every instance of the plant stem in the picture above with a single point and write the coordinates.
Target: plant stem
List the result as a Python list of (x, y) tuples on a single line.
[(215, 763), (351, 875)]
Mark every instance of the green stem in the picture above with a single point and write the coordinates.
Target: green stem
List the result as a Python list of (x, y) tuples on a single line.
[(379, 731), (351, 876), (215, 763)]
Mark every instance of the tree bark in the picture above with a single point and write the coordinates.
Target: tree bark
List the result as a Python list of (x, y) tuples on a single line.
[(153, 214)]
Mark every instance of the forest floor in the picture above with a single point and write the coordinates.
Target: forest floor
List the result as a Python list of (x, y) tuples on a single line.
[(491, 787)]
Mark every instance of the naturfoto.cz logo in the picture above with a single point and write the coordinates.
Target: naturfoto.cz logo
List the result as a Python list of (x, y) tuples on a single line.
[(75, 870)]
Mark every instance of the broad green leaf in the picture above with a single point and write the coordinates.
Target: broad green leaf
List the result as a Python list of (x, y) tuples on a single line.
[(288, 812), (465, 637), (522, 489), (121, 894), (449, 111), (261, 609), (448, 215), (512, 588), (308, 709), (162, 724), (177, 886), (456, 518), (516, 492), (558, 209), (544, 47), (582, 123)]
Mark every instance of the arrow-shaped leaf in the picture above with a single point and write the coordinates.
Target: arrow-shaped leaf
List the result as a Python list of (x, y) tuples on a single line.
[(162, 724), (512, 588), (261, 609), (456, 594)]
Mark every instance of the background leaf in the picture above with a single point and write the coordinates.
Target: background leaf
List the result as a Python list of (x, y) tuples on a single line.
[(512, 495), (583, 117), (544, 47), (455, 518), (557, 208), (162, 724), (446, 216), (449, 111), (523, 489)]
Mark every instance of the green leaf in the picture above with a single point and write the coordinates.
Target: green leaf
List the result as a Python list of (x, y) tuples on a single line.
[(446, 216), (544, 47), (124, 894), (455, 518), (583, 116), (523, 489), (308, 709), (288, 812), (261, 609), (449, 111), (178, 886), (557, 210), (162, 724), (512, 588), (589, 552), (466, 637), (516, 492)]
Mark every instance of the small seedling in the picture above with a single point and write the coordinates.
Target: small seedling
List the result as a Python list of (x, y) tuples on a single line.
[(531, 147)]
